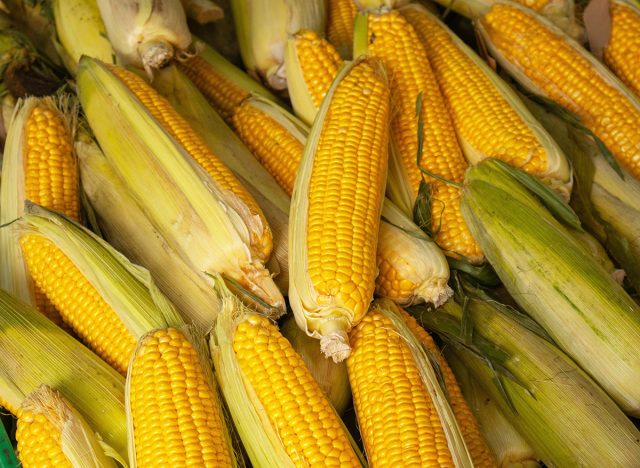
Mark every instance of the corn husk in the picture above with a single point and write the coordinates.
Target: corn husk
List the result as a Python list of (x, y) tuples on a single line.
[(259, 438), (584, 310), (126, 287), (558, 173), (88, 383), (262, 42), (146, 33), (198, 341), (607, 204), (510, 448), (320, 316), (80, 31), (131, 232), (211, 228), (79, 443), (14, 277), (565, 416), (331, 376)]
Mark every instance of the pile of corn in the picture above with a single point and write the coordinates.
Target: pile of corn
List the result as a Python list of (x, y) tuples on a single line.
[(323, 233)]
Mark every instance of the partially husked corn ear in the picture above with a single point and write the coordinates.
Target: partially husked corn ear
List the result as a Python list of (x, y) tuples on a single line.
[(342, 14), (271, 138), (411, 268), (175, 413), (311, 64), (107, 301), (209, 226), (223, 84), (179, 128), (478, 449), (389, 37), (623, 50), (524, 44), (263, 27), (489, 118), (281, 413), (50, 432), (336, 207), (400, 423), (88, 383), (39, 165)]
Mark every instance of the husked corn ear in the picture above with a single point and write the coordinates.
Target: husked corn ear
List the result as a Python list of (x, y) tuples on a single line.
[(622, 54), (272, 143), (336, 207), (489, 118), (391, 38), (180, 129), (78, 302), (40, 165), (175, 413), (281, 413), (210, 227), (311, 65), (342, 14), (478, 449), (524, 43), (223, 84), (86, 381), (50, 432), (402, 412)]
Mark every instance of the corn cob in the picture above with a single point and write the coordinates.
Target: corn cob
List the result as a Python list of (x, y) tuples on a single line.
[(80, 31), (262, 43), (389, 37), (84, 380), (342, 174), (209, 226), (281, 413), (342, 14), (107, 301), (175, 416), (39, 164), (622, 51), (50, 432), (565, 416), (516, 230), (577, 81), (311, 64), (146, 33), (511, 449), (480, 453), (400, 421), (411, 268), (224, 85), (489, 118)]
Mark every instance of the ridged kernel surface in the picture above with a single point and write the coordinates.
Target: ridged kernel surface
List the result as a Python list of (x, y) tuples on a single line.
[(622, 54)]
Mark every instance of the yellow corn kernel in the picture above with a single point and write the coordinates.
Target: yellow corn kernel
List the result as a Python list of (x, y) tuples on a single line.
[(392, 39), (50, 174), (399, 423), (348, 172), (565, 73), (223, 95), (319, 62), (298, 410), (78, 302), (39, 442), (481, 114), (177, 418), (342, 14), (179, 128), (480, 453), (622, 54), (272, 144)]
